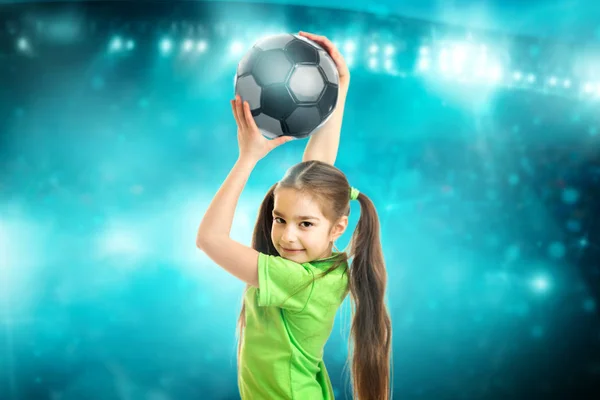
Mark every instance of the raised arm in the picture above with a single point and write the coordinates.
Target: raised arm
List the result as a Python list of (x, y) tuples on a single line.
[(323, 145)]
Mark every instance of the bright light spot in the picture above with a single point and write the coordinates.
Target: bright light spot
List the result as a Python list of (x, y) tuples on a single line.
[(553, 81), (424, 50), (130, 44), (23, 44), (349, 46), (201, 46), (459, 55), (481, 65), (389, 50), (188, 45), (373, 62), (424, 64), (567, 83), (530, 78), (120, 242), (540, 284), (496, 73), (166, 45), (373, 49), (517, 76), (589, 88), (444, 60), (388, 64), (116, 44), (237, 47)]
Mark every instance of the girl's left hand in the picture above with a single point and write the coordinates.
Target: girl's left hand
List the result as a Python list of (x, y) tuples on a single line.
[(251, 142), (334, 53)]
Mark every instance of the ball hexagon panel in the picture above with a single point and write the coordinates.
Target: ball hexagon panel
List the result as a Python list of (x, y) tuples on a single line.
[(301, 52), (315, 44), (247, 62), (274, 42), (272, 67), (328, 66), (251, 89), (272, 126), (328, 101), (277, 102), (303, 120), (306, 83)]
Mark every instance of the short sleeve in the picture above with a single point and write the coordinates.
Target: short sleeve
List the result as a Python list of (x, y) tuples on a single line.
[(283, 283)]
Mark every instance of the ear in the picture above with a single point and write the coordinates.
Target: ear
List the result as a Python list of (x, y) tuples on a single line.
[(339, 228)]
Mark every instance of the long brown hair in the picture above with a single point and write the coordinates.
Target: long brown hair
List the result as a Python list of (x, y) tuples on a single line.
[(371, 329)]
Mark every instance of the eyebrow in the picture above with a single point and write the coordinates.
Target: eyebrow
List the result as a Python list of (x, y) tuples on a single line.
[(297, 216)]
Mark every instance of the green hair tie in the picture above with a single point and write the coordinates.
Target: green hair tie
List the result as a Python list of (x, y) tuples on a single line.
[(353, 193)]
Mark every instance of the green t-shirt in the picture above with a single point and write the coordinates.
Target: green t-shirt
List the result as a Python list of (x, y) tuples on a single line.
[(282, 346)]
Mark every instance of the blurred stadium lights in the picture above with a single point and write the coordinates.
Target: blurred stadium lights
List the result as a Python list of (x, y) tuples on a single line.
[(459, 59), (201, 46), (188, 45), (118, 44), (517, 75), (540, 284), (236, 48), (23, 44), (349, 46), (166, 46), (463, 61)]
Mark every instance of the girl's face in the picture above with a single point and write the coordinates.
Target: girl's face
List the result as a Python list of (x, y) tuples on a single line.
[(298, 224)]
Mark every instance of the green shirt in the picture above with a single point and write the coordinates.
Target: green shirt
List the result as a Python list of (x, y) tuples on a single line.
[(282, 346)]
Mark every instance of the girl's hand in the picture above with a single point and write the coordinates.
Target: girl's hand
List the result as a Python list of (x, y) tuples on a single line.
[(334, 53), (251, 142)]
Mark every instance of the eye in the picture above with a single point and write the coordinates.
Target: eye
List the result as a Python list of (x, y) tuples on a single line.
[(275, 219)]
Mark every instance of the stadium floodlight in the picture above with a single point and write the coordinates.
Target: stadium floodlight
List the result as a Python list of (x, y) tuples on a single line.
[(349, 46), (201, 46), (166, 45), (23, 44), (188, 45), (116, 44), (373, 63)]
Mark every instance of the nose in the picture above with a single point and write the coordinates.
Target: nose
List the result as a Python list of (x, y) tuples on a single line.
[(289, 235)]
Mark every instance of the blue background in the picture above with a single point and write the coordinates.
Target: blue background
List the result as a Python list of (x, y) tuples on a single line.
[(486, 188)]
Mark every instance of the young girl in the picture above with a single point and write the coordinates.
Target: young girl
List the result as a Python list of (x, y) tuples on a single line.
[(296, 283)]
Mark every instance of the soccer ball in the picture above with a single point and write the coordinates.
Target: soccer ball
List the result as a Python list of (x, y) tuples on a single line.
[(290, 83)]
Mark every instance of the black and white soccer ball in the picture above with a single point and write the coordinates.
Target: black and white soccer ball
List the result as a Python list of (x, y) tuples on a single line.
[(291, 84)]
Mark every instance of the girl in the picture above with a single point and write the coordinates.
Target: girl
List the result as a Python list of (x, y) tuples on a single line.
[(296, 283)]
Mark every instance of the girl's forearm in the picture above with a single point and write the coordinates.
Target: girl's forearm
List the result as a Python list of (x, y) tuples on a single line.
[(218, 218), (323, 145)]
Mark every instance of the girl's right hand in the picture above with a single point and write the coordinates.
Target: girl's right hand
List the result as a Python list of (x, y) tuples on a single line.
[(343, 72)]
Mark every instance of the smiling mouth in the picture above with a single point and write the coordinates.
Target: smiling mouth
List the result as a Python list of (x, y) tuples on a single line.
[(290, 250)]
